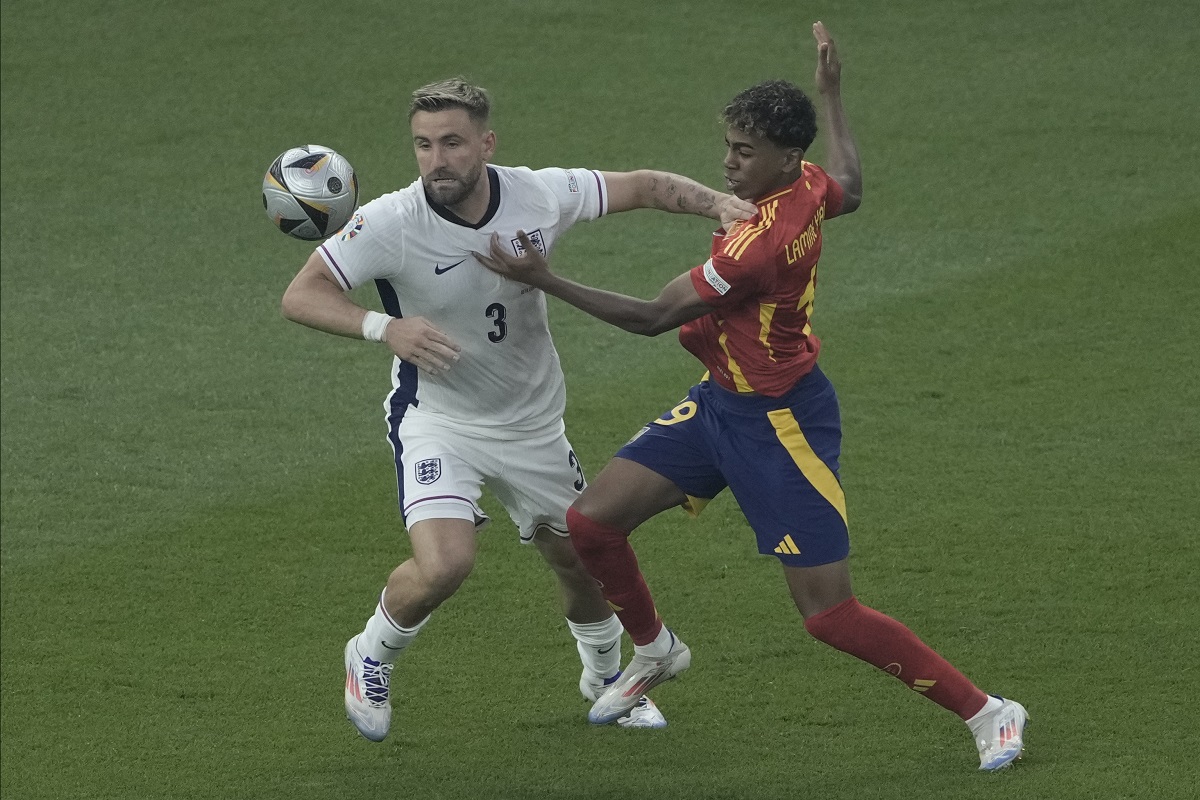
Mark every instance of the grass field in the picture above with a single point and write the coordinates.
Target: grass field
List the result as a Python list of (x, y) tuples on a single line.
[(197, 497)]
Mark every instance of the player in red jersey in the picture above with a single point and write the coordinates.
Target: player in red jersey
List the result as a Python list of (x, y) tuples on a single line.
[(765, 422)]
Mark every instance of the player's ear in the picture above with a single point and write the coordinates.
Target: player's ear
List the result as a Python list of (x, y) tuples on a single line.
[(793, 157), (489, 145)]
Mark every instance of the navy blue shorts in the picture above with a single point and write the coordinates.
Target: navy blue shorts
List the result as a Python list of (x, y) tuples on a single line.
[(778, 455)]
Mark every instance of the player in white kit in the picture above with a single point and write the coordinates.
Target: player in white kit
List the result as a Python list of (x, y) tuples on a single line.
[(478, 393)]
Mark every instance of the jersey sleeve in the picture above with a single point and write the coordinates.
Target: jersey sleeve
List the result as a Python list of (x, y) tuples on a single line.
[(742, 265), (833, 190), (363, 249), (581, 193)]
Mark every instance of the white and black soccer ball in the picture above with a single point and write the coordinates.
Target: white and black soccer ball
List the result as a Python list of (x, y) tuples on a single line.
[(310, 192)]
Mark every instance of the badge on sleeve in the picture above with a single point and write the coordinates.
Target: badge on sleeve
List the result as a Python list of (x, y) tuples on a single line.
[(715, 280), (352, 228)]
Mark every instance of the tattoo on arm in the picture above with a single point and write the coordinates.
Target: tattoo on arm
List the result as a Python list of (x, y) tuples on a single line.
[(669, 193), (689, 197)]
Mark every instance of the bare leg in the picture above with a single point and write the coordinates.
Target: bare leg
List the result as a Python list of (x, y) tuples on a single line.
[(815, 589), (443, 557), (580, 595)]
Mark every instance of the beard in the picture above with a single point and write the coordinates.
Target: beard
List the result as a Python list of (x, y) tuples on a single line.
[(455, 190)]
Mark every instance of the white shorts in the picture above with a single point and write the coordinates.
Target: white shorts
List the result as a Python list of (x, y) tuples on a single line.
[(441, 471)]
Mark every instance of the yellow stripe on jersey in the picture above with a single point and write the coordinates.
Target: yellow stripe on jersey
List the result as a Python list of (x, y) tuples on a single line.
[(809, 291), (737, 246), (775, 196), (810, 464), (748, 231), (766, 312), (768, 218), (739, 380), (806, 301)]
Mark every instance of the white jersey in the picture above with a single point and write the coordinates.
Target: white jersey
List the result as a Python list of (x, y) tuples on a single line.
[(508, 376)]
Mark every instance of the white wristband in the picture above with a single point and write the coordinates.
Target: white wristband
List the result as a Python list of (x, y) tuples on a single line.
[(374, 325)]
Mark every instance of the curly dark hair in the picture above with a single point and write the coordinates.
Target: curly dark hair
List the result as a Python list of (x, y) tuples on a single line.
[(776, 110)]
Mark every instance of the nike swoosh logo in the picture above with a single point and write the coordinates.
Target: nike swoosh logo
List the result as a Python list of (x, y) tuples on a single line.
[(440, 270), (601, 652), (385, 644)]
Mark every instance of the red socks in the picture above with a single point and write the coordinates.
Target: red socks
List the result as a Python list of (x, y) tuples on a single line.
[(887, 644), (606, 554), (849, 626)]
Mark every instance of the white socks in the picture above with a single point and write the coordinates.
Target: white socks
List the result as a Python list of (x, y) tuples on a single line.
[(599, 645), (384, 639), (661, 645), (991, 706)]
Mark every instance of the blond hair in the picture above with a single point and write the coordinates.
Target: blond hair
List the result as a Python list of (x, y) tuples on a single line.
[(452, 93)]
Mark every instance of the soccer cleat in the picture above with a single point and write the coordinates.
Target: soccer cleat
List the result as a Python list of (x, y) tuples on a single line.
[(642, 675), (643, 715), (367, 704), (1000, 735)]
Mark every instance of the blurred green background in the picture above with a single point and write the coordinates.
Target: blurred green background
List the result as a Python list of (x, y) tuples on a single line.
[(198, 501)]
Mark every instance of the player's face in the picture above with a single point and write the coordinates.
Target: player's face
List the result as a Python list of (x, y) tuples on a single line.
[(451, 152), (755, 166)]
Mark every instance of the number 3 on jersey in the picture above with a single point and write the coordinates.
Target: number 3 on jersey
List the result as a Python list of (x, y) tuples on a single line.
[(495, 312)]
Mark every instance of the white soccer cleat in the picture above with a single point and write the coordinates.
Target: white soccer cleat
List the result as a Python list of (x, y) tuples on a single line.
[(642, 675), (367, 704), (1000, 735), (643, 715)]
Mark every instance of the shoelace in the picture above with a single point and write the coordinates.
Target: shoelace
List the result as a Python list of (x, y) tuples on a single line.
[(375, 677)]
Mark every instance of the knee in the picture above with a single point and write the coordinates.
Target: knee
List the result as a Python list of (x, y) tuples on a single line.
[(588, 536), (558, 553), (831, 624), (587, 507), (445, 575)]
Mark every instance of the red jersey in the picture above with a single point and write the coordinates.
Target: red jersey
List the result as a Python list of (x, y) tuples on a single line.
[(760, 281)]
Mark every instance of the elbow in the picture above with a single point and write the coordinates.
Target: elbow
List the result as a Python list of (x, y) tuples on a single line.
[(649, 326), (289, 307), (851, 193), (849, 178), (851, 201), (656, 328)]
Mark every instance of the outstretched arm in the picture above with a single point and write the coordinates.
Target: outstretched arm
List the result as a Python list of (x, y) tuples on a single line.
[(647, 188), (315, 299), (843, 164), (676, 304)]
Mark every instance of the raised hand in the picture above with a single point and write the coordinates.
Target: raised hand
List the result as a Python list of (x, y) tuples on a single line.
[(829, 66)]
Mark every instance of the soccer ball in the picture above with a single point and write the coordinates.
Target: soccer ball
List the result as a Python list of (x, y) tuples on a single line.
[(310, 192)]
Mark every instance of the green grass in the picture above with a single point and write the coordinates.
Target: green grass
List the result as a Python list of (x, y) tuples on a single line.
[(197, 499)]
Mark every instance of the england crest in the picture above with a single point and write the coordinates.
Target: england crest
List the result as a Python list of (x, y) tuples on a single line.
[(535, 236), (429, 470)]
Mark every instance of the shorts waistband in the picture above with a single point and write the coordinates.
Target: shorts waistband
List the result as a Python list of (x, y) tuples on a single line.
[(755, 404)]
